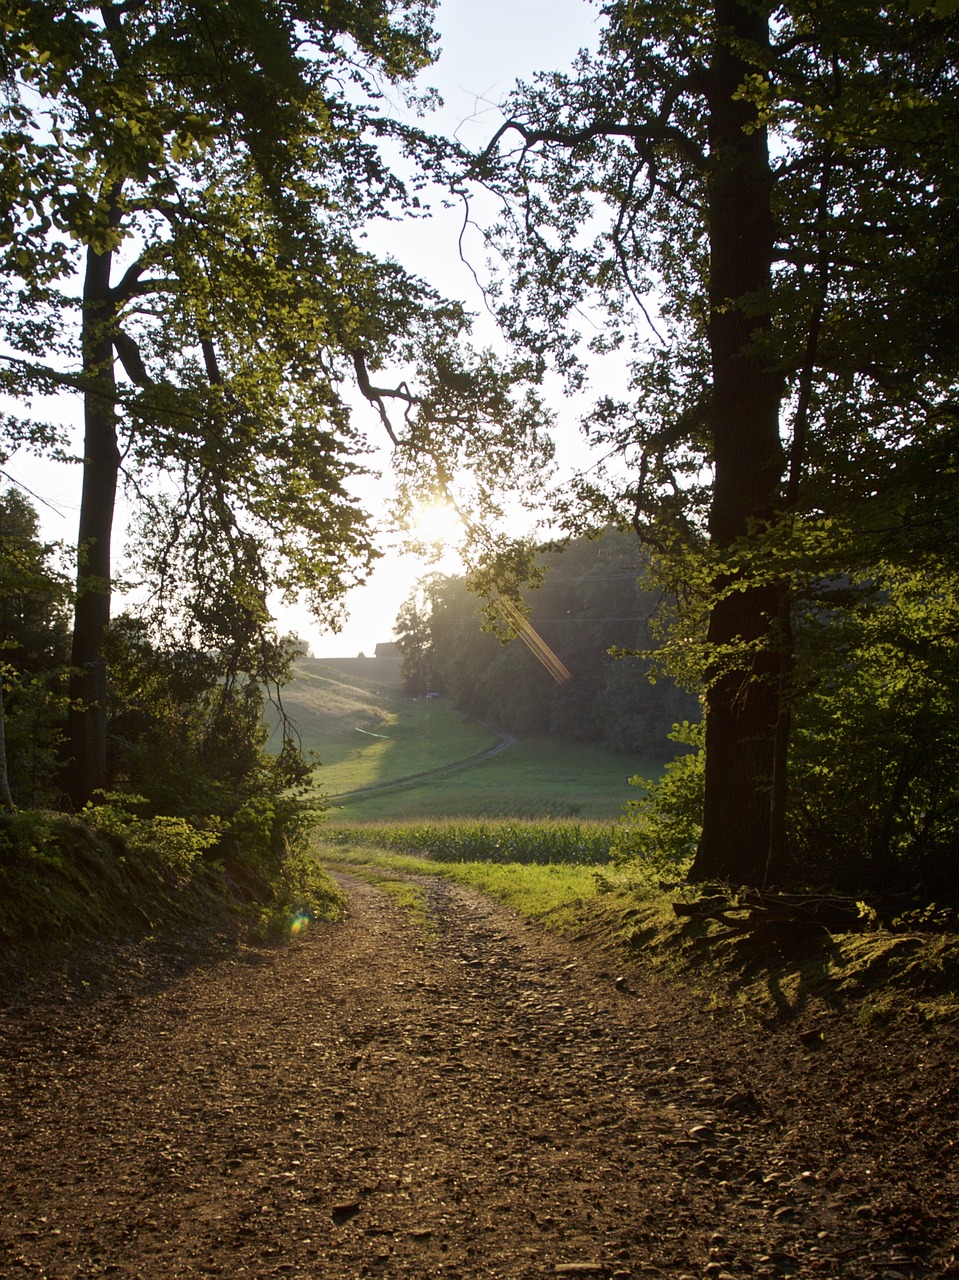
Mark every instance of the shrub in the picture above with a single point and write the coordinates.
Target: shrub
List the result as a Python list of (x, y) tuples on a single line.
[(659, 835)]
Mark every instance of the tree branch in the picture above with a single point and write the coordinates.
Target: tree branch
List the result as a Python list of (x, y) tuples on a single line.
[(377, 395), (131, 359), (647, 135)]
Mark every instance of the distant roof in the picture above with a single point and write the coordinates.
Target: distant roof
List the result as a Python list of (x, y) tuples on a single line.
[(388, 650)]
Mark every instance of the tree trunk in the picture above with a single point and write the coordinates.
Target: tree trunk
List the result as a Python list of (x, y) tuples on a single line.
[(776, 859), (741, 702), (6, 798), (86, 729)]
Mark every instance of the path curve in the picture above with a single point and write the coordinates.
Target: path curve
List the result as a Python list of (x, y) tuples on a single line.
[(476, 1101), (411, 779)]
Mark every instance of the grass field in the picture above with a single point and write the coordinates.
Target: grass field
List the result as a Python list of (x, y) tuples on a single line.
[(534, 778), (375, 745)]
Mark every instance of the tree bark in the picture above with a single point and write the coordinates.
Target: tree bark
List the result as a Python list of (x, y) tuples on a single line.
[(6, 797), (86, 728), (742, 697)]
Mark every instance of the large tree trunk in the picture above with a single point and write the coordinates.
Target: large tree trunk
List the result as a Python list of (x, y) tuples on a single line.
[(86, 730), (742, 698)]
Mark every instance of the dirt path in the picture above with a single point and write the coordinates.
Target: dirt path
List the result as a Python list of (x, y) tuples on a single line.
[(478, 1100)]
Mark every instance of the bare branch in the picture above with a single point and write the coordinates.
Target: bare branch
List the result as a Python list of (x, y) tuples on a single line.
[(377, 395), (647, 135)]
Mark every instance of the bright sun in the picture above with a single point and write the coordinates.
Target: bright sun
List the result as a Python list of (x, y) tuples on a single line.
[(437, 522)]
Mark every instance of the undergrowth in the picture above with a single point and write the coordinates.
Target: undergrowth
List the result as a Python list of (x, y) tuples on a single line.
[(110, 874)]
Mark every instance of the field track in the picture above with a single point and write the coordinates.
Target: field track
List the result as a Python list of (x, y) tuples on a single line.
[(398, 784), (456, 1094)]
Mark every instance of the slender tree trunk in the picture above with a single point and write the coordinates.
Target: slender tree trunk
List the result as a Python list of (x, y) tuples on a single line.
[(6, 798), (776, 858), (86, 729), (742, 699)]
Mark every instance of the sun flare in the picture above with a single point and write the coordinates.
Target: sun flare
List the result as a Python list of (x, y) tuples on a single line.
[(437, 522)]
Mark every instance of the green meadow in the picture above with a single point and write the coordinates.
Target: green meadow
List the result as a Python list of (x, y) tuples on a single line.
[(385, 757)]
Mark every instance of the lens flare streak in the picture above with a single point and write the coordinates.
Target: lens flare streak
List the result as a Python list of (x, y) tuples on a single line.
[(535, 642)]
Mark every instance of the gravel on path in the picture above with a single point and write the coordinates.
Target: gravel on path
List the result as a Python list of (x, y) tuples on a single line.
[(470, 1099)]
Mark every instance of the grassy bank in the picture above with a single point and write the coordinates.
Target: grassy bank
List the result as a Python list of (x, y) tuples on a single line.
[(874, 976), (534, 890), (106, 877)]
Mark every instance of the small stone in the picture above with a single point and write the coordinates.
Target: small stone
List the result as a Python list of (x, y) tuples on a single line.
[(580, 1269), (702, 1133), (743, 1100), (811, 1039)]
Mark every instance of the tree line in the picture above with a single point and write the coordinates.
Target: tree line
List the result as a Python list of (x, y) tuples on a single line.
[(753, 206), (593, 603)]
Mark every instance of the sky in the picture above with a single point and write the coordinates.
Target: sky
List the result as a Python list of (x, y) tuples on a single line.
[(486, 47)]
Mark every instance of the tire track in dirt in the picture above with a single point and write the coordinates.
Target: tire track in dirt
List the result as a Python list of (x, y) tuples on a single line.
[(476, 1100), (410, 780)]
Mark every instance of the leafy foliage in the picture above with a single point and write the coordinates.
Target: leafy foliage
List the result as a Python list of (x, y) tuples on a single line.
[(618, 181), (874, 796), (34, 650), (594, 603), (207, 176), (657, 840)]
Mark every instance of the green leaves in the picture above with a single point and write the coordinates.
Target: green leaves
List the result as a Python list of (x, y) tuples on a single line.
[(941, 8)]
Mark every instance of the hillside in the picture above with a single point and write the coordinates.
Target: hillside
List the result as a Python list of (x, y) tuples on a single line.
[(366, 732), (384, 755), (379, 671), (328, 699)]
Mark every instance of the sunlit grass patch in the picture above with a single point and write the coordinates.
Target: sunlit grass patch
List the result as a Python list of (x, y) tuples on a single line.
[(532, 889), (536, 779)]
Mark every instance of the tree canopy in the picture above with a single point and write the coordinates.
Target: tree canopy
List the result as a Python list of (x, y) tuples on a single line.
[(183, 193), (759, 201), (752, 206)]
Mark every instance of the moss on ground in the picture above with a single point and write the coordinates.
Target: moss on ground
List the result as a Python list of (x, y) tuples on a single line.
[(879, 975)]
